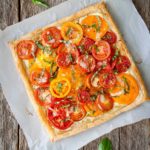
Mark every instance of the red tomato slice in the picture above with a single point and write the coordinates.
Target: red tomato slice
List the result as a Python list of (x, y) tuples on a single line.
[(52, 37), (26, 49), (86, 63), (107, 79), (63, 60), (110, 37), (58, 116), (43, 96), (85, 45), (78, 113), (83, 96), (101, 50), (122, 64), (39, 77), (105, 102), (59, 121), (71, 49)]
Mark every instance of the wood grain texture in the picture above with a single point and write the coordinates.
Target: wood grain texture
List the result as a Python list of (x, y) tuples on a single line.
[(8, 124), (132, 137)]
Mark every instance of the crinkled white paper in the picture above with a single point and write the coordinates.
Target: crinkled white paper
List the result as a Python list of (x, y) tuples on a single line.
[(135, 34)]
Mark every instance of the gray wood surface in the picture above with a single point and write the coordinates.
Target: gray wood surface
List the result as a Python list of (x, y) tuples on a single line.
[(132, 137)]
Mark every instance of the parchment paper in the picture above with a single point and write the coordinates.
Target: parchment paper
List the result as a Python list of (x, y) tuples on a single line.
[(135, 34)]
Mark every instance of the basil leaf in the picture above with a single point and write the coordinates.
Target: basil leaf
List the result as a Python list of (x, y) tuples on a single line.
[(45, 49), (68, 31), (40, 2), (105, 144)]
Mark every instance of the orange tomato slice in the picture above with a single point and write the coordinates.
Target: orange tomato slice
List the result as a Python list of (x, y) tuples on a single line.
[(94, 27), (92, 109), (72, 31), (60, 87), (126, 89)]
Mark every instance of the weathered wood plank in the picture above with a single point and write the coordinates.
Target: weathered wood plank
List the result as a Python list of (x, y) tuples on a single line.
[(8, 124), (8, 12), (143, 8), (113, 136), (135, 137)]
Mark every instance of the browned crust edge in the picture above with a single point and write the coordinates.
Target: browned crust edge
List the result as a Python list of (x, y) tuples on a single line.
[(29, 90)]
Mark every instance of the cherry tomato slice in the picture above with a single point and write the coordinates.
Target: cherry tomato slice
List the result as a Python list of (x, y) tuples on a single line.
[(92, 109), (63, 60), (92, 81), (59, 121), (58, 116), (72, 51), (43, 96), (39, 77), (51, 36), (83, 96), (122, 64), (110, 37), (105, 102), (78, 113), (71, 31), (85, 45), (86, 63), (101, 50), (26, 49), (107, 79)]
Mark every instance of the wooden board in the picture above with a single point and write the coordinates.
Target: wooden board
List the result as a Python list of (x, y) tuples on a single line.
[(132, 137)]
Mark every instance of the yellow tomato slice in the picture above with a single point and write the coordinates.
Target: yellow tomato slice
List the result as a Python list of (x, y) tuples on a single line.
[(126, 89), (72, 31), (60, 87), (94, 27), (74, 74)]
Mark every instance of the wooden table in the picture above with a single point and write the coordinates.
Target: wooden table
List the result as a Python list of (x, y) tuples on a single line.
[(132, 137)]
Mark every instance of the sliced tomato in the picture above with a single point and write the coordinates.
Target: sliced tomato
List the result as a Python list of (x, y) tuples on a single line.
[(59, 115), (40, 77), (94, 27), (78, 112), (43, 96), (107, 79), (85, 45), (105, 102), (59, 121), (83, 95), (51, 36), (92, 80), (60, 87), (92, 109), (63, 60), (110, 37), (101, 50), (72, 51), (86, 63), (26, 49), (122, 64), (71, 31)]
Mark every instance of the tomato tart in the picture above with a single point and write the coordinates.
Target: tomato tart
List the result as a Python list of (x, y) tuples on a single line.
[(78, 72)]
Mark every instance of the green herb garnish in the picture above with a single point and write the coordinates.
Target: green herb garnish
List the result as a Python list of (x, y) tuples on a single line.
[(116, 55), (59, 87), (93, 97), (40, 2), (68, 31), (127, 88), (45, 49), (70, 58), (105, 144)]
